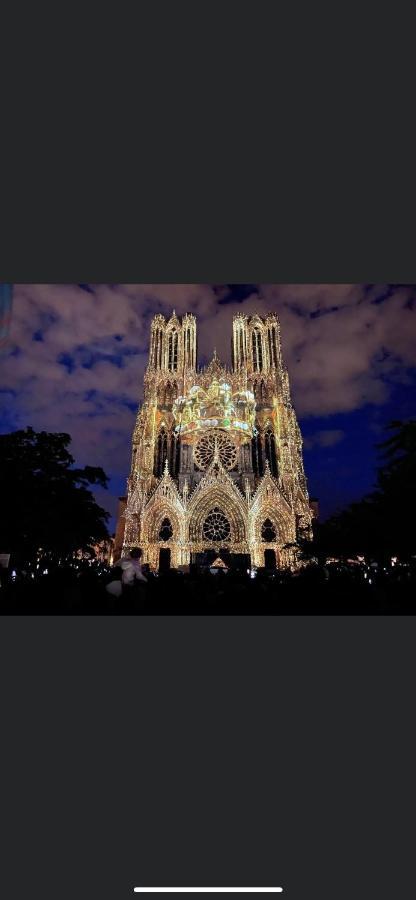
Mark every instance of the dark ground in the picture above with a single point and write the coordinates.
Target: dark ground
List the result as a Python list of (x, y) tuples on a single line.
[(313, 591)]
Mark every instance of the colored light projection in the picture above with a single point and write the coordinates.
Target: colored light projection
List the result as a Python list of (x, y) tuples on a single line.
[(215, 407)]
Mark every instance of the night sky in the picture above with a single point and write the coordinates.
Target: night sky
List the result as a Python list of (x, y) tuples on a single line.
[(76, 355)]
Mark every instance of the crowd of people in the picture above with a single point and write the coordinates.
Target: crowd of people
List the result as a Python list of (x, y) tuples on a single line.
[(86, 587)]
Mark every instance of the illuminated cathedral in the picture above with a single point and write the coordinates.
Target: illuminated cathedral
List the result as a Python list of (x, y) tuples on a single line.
[(216, 470)]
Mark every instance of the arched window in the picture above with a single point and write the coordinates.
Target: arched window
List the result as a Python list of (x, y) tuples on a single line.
[(173, 351), (155, 346), (177, 455), (268, 531), (270, 450), (257, 351), (241, 361), (158, 348), (272, 346), (166, 530), (175, 447), (254, 455), (161, 452), (257, 455), (153, 349)]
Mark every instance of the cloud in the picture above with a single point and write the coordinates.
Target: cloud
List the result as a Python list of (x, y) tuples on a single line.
[(325, 438), (77, 354)]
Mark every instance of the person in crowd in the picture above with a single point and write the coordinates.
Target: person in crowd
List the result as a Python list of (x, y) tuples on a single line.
[(127, 574), (131, 569)]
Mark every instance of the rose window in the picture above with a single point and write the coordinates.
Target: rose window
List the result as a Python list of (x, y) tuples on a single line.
[(216, 526), (207, 445)]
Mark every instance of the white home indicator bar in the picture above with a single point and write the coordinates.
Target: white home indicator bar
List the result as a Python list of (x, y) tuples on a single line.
[(212, 890)]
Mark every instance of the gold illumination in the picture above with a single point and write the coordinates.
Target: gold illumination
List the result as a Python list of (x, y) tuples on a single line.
[(217, 452)]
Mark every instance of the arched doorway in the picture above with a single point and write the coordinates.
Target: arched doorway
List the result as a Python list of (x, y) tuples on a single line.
[(269, 559), (217, 519), (164, 559)]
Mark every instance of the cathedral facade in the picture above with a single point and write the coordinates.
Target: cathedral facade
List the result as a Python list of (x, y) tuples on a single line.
[(216, 468)]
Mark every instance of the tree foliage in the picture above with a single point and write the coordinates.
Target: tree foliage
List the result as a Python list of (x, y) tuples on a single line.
[(382, 524), (45, 500)]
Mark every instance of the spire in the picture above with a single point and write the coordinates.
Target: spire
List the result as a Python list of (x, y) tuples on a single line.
[(215, 366), (166, 469)]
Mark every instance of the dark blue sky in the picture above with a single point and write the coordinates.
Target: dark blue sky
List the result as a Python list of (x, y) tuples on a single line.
[(76, 355), (345, 470)]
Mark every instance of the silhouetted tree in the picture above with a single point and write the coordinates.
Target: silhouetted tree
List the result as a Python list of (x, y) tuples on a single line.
[(396, 487), (45, 500), (382, 523)]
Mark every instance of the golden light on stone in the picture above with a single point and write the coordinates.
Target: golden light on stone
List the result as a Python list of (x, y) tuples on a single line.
[(217, 453), (211, 441)]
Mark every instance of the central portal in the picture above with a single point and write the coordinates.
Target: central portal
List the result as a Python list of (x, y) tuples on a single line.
[(236, 562)]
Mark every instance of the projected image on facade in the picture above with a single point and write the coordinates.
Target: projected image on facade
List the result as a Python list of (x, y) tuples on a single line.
[(216, 453)]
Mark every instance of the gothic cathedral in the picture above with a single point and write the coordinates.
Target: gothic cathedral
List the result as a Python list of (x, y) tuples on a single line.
[(217, 470)]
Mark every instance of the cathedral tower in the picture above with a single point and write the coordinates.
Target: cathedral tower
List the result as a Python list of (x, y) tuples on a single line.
[(217, 467)]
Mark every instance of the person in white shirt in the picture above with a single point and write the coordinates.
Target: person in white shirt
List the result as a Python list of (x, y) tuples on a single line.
[(131, 569), (131, 574)]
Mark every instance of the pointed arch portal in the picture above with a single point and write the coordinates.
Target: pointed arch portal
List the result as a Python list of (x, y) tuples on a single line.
[(217, 519)]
